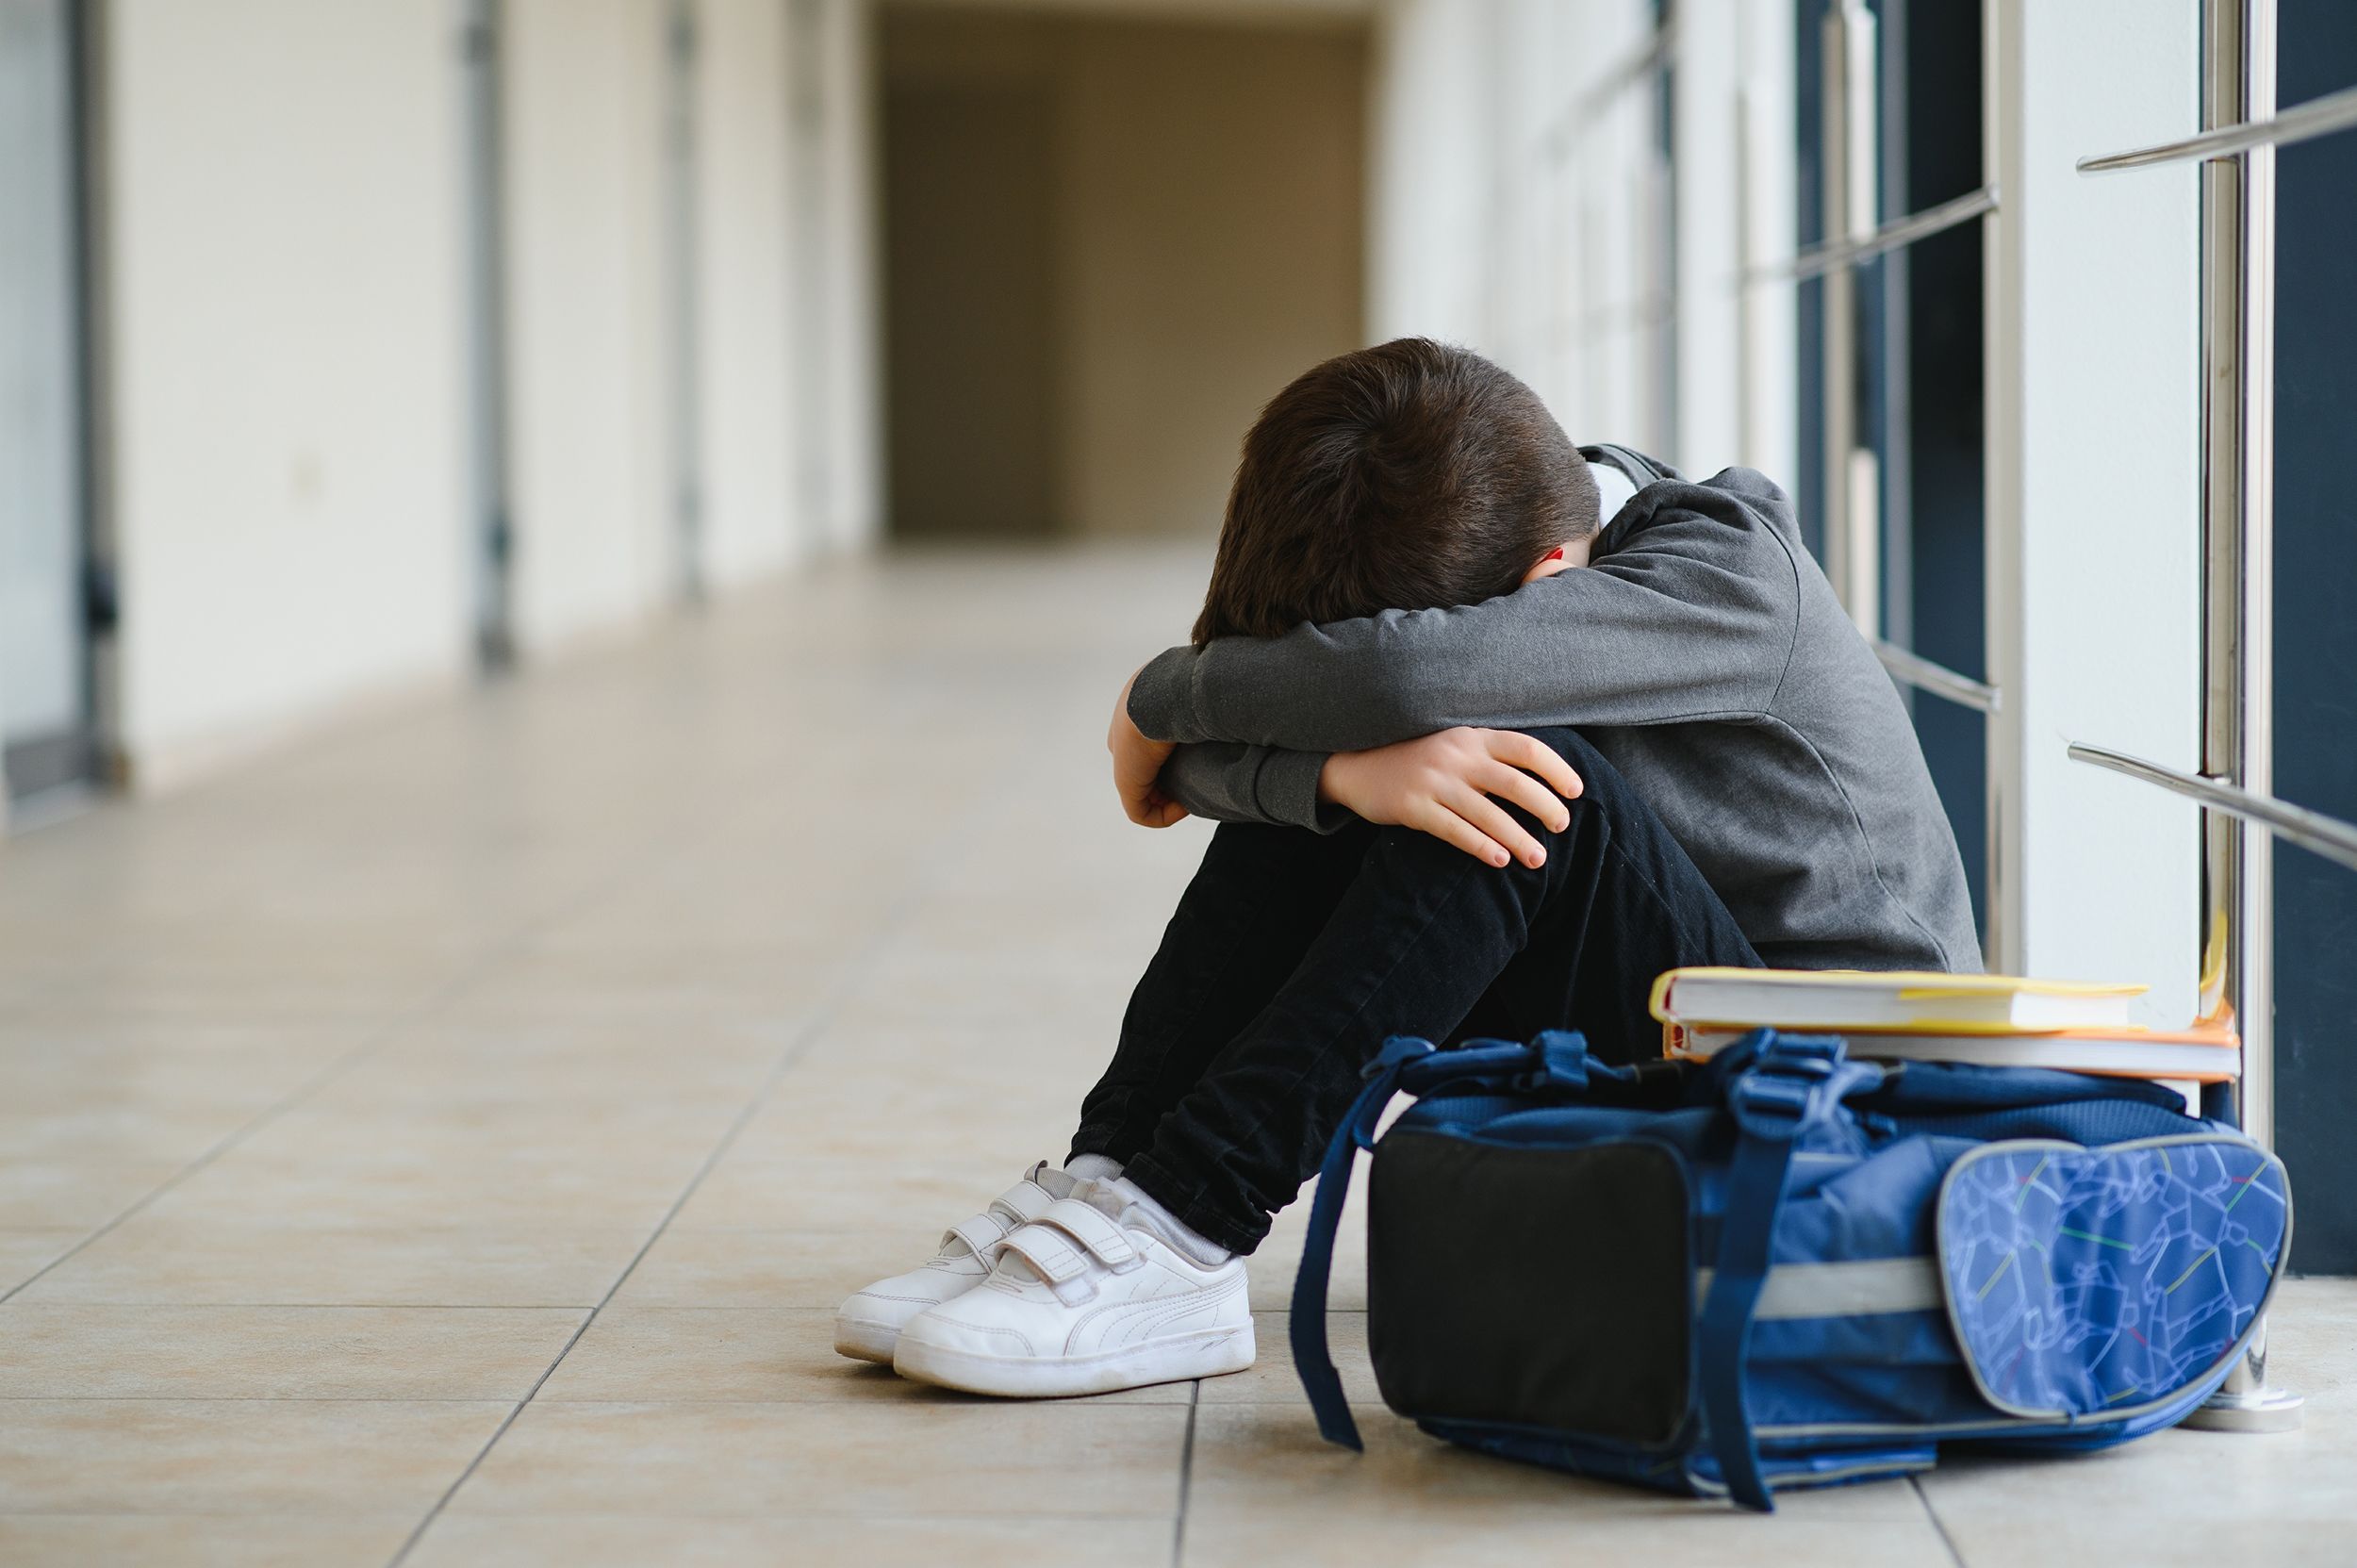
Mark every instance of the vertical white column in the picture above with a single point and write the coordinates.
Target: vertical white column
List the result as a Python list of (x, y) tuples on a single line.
[(1765, 206), (2093, 463), (743, 168), (1707, 111), (848, 204)]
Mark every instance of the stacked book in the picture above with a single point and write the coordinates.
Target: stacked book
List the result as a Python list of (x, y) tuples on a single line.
[(1992, 1020)]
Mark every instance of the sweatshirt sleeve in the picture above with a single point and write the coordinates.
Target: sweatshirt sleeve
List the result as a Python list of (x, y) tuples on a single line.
[(1231, 782), (1691, 616)]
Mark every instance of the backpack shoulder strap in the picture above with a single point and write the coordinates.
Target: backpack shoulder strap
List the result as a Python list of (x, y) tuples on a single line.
[(1314, 1361), (1793, 1085), (1642, 471)]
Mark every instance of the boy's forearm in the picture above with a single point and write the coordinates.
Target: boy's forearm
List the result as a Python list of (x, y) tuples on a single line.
[(1316, 689), (1538, 657), (1697, 626), (1227, 781)]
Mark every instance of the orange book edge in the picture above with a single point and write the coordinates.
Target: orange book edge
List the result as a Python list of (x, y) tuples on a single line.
[(1673, 1042)]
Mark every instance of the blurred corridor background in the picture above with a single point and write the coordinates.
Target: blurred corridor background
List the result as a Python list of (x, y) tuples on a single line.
[(588, 541)]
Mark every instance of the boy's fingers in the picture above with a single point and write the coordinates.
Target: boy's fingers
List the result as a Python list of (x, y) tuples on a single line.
[(1489, 818), (1449, 828), (1511, 784), (1528, 752)]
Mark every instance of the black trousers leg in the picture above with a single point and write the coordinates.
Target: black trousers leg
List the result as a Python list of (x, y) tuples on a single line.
[(1242, 928), (1311, 954)]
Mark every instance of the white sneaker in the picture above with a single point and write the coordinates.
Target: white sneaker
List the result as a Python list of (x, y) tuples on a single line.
[(868, 1324), (1086, 1299)]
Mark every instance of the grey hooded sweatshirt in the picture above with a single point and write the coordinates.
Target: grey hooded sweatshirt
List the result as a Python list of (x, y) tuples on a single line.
[(1701, 650)]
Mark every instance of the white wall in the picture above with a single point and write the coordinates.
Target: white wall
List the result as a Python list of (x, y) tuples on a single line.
[(582, 81), (281, 206), (743, 140), (1516, 201), (1429, 173), (2093, 467), (283, 334)]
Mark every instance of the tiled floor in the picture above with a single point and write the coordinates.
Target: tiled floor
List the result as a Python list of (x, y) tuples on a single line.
[(444, 1143)]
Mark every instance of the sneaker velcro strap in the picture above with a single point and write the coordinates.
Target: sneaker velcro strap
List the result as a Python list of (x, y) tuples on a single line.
[(1093, 1228), (1048, 1250), (982, 1232), (1025, 1201)]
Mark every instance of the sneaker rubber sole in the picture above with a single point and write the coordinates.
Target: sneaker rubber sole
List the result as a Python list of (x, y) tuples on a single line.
[(863, 1341), (1207, 1353)]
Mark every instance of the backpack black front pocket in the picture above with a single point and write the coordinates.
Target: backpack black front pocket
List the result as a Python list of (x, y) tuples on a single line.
[(1542, 1287)]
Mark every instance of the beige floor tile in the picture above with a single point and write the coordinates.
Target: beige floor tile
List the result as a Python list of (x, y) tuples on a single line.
[(397, 1184), (663, 1354), (1410, 1535), (576, 1071), (900, 1457), (1266, 1489), (915, 1196), (1272, 1380), (235, 1456), (2193, 1532), (769, 1269), (159, 1258), (2313, 1340), (651, 1131), (2162, 1495), (200, 1541), (70, 1066), (464, 1540), (68, 1192), (79, 1351), (858, 1111), (136, 1132), (25, 1253)]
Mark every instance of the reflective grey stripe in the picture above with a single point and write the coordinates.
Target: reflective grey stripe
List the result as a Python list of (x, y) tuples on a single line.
[(1858, 1288)]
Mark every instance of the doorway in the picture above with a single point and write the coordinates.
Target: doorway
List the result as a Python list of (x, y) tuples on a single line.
[(1107, 243), (48, 736)]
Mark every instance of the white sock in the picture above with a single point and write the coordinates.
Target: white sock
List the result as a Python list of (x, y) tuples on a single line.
[(1173, 1230), (1092, 1167)]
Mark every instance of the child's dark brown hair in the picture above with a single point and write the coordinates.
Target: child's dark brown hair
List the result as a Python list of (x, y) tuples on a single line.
[(1404, 476)]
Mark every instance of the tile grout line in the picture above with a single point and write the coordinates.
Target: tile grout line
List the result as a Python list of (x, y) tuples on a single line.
[(1186, 1475), (1938, 1526), (922, 888)]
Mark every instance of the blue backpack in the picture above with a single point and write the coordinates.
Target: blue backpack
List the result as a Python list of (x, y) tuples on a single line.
[(1782, 1267)]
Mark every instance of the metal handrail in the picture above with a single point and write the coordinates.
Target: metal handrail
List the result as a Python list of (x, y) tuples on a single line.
[(1913, 669), (1896, 235), (2335, 111), (2329, 836)]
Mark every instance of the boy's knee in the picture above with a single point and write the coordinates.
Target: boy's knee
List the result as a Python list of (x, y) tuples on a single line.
[(1569, 744), (1600, 782)]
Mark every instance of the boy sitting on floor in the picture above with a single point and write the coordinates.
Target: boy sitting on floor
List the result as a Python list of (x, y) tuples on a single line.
[(1484, 769)]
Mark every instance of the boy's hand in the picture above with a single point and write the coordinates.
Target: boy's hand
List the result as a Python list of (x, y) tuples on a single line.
[(1138, 768), (1443, 784)]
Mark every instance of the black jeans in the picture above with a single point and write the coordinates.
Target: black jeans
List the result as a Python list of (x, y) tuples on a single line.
[(1294, 955)]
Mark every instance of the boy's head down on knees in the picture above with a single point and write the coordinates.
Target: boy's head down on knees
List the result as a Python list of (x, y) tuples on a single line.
[(1406, 476)]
